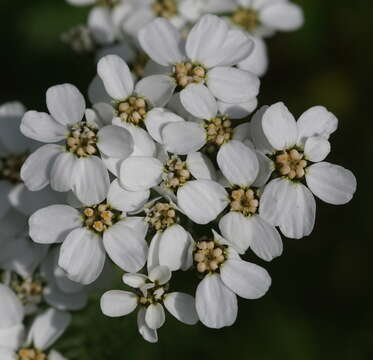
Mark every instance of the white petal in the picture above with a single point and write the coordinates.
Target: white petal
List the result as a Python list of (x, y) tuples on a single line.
[(97, 92), (238, 230), (116, 303), (143, 143), (7, 353), (155, 316), (48, 327), (137, 224), (115, 141), (238, 111), (101, 25), (238, 163), (54, 355), (257, 134), (161, 41), (157, 119), (216, 305), (257, 61), (136, 281), (206, 40), (35, 171), (153, 253), (82, 256), (183, 138), (125, 247), (64, 301), (279, 127), (237, 47), (245, 279), (158, 89), (274, 202), (266, 241), (173, 247), (331, 183), (317, 121), (182, 306), (283, 16), (66, 104), (145, 331), (232, 85), (202, 200), (116, 76), (61, 171), (53, 223), (90, 180), (11, 309), (197, 100), (161, 273), (42, 127), (200, 166), (316, 148), (300, 217), (124, 200), (140, 173), (266, 167)]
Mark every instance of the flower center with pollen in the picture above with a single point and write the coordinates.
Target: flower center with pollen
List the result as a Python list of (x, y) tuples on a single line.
[(152, 293), (245, 201), (10, 168), (31, 354), (176, 173), (133, 110), (291, 163), (161, 215), (219, 130), (188, 73), (208, 256), (29, 291), (100, 217), (248, 19), (165, 8), (82, 140)]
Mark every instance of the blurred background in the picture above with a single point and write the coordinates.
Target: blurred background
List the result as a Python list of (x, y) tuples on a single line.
[(320, 304)]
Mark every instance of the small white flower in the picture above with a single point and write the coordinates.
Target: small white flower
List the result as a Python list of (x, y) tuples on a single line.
[(225, 276), (75, 164), (46, 328), (297, 150), (89, 232), (207, 57), (151, 294)]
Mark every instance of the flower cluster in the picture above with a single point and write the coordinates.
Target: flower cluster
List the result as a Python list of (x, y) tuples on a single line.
[(170, 168)]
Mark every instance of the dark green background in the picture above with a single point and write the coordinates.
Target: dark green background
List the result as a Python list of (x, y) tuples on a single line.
[(320, 304)]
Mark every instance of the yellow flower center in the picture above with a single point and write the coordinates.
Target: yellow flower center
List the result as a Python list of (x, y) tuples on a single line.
[(188, 73), (100, 217), (82, 140), (245, 201), (31, 354), (291, 163), (153, 295), (165, 8), (209, 256), (10, 168), (133, 110), (29, 291), (161, 215), (219, 130), (176, 173), (139, 64), (248, 19)]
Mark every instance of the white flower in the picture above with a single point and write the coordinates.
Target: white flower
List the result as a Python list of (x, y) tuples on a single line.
[(171, 243), (151, 295), (242, 225), (225, 276), (89, 232), (44, 331), (75, 163), (207, 57), (132, 103), (297, 150), (191, 180)]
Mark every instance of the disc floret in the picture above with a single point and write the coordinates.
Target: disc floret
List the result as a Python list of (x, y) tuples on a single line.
[(209, 256), (31, 354), (291, 163), (187, 73), (10, 168), (99, 218), (133, 110), (165, 8), (161, 216), (245, 201), (248, 19), (82, 140), (176, 173), (219, 130)]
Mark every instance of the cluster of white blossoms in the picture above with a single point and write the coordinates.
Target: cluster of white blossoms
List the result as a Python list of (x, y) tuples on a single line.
[(172, 167)]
